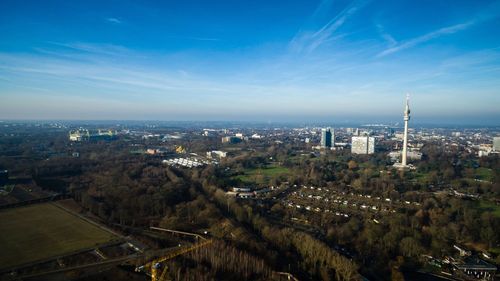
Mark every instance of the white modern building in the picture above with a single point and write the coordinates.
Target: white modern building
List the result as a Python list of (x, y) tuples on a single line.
[(496, 144), (363, 145), (411, 155), (216, 154)]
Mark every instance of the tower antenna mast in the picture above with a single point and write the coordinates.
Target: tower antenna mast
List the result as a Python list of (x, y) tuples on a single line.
[(406, 118)]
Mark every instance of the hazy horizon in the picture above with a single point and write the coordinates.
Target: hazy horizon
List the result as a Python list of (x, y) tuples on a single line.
[(288, 122)]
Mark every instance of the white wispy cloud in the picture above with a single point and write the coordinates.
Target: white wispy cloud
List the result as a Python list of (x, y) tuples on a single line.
[(92, 48), (489, 12), (426, 37), (386, 36), (148, 86), (113, 20), (202, 38), (309, 40), (322, 9), (115, 76), (193, 38)]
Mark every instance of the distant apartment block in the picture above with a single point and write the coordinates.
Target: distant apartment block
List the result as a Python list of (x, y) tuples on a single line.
[(496, 144), (363, 145)]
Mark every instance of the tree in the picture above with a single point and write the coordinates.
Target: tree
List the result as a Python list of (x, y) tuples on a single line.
[(352, 165), (488, 236), (410, 247)]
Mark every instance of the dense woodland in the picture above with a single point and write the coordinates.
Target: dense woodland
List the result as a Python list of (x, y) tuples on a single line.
[(125, 189)]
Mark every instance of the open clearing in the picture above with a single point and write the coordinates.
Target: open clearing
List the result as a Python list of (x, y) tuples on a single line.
[(484, 174), (262, 175), (41, 231), (490, 206)]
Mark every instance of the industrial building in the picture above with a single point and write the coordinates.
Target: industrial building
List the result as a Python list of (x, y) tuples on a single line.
[(231, 139), (86, 135), (475, 268), (216, 154), (411, 155)]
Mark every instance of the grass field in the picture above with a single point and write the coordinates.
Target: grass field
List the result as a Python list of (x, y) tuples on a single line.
[(484, 174), (42, 231), (253, 175), (421, 177), (490, 206), (495, 250)]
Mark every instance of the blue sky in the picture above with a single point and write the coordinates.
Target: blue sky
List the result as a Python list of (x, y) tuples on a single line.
[(289, 60)]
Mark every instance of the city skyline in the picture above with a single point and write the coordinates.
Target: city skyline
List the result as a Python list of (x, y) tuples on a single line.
[(310, 61)]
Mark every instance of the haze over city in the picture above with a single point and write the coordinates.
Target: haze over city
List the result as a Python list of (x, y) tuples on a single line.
[(250, 60)]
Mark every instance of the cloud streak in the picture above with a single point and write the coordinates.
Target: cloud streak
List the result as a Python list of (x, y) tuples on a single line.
[(113, 20), (311, 40), (93, 48), (386, 36), (426, 37)]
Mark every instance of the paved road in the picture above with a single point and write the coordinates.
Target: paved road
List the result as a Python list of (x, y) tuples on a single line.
[(108, 262), (101, 263)]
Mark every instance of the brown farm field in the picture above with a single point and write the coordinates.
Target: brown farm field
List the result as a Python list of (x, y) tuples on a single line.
[(42, 231)]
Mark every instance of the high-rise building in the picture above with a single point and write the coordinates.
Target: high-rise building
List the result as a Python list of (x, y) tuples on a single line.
[(496, 144), (352, 131), (389, 132), (363, 145), (326, 137)]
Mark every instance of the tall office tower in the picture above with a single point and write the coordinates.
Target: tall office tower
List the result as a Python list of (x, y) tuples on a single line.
[(363, 145), (389, 132), (406, 118), (496, 144), (326, 137)]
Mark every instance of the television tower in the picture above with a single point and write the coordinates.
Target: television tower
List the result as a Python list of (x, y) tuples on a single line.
[(406, 118)]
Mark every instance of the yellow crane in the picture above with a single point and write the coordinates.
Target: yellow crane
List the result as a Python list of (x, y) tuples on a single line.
[(155, 265)]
